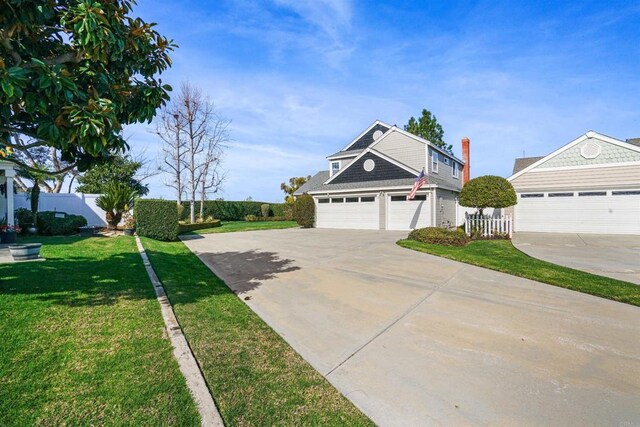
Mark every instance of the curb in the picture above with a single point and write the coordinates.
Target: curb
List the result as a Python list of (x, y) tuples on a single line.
[(182, 352)]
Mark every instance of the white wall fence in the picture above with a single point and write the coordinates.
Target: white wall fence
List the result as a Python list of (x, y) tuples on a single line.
[(488, 226), (71, 203)]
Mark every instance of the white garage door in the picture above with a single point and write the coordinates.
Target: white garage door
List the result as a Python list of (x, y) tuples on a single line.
[(598, 212), (403, 214), (353, 212)]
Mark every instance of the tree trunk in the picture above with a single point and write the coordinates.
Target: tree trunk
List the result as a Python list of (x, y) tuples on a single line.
[(113, 218), (202, 197)]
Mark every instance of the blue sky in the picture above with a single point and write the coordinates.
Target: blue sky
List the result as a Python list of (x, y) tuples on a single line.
[(300, 78)]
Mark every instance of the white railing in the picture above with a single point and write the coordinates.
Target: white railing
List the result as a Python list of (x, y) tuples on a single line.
[(488, 227)]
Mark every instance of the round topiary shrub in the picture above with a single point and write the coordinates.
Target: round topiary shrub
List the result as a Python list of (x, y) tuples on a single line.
[(439, 236), (304, 211), (488, 191), (265, 209)]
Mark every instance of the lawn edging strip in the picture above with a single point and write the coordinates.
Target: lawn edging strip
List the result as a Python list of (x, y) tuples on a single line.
[(182, 352)]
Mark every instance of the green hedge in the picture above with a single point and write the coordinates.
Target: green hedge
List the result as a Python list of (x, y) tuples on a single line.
[(157, 219), (304, 211), (282, 209), (232, 211), (439, 236), (185, 228), (50, 225)]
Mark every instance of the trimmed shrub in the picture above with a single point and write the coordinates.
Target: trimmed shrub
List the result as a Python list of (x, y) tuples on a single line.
[(253, 218), (23, 217), (439, 236), (488, 192), (282, 209), (265, 209), (157, 219), (304, 211), (185, 228), (59, 223)]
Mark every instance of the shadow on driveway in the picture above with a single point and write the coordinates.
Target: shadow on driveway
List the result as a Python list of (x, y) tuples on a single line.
[(246, 271)]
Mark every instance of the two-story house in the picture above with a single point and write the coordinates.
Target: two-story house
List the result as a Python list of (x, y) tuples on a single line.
[(367, 183)]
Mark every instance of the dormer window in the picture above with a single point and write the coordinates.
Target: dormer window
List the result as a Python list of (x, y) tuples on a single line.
[(434, 162), (335, 167)]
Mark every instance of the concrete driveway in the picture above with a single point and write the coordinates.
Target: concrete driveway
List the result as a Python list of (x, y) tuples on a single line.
[(607, 255), (414, 339)]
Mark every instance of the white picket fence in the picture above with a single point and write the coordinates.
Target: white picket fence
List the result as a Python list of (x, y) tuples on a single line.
[(488, 226)]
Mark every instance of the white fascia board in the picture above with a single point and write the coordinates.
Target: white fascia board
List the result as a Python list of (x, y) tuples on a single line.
[(376, 153), (342, 156), (353, 141), (369, 190)]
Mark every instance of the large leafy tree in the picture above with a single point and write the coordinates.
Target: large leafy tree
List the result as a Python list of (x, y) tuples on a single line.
[(121, 169), (73, 73), (427, 127)]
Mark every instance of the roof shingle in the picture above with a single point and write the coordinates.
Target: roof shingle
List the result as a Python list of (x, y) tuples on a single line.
[(524, 162)]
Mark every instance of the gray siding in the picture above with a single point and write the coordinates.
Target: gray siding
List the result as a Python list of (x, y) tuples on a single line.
[(445, 208), (367, 139), (404, 149), (383, 170), (444, 174), (576, 179)]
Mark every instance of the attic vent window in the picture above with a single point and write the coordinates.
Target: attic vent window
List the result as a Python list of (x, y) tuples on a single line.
[(377, 134), (590, 150), (369, 164)]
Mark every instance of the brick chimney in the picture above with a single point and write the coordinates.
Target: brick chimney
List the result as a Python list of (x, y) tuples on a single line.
[(467, 160)]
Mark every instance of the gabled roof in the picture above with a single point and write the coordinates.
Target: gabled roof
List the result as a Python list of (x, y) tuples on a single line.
[(378, 154), (315, 182), (524, 162), (588, 135), (365, 139)]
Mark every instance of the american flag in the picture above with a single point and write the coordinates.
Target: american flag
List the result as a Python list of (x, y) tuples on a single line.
[(420, 181)]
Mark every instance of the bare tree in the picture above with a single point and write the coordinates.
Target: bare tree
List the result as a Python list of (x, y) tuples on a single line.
[(211, 175), (169, 127), (194, 138)]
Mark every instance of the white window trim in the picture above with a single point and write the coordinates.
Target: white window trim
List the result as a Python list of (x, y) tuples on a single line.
[(455, 171), (339, 162), (434, 161)]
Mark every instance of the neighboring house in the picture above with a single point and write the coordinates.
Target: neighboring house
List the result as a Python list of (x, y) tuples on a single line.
[(368, 181), (590, 185), (7, 173)]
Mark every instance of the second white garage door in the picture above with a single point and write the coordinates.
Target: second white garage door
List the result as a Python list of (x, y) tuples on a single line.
[(354, 212), (598, 212), (403, 214)]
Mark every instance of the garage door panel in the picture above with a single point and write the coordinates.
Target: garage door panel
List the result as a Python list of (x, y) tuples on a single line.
[(408, 214), (610, 214), (357, 215)]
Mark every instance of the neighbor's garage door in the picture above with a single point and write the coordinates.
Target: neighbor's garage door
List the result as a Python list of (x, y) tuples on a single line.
[(355, 212), (403, 214), (599, 212)]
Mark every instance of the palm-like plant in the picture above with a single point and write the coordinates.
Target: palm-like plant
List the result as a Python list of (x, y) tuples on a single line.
[(117, 199)]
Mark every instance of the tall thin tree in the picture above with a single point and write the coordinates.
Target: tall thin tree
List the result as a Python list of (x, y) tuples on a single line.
[(169, 127)]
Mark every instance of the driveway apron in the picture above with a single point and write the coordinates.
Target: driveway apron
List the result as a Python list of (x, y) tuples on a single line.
[(413, 339)]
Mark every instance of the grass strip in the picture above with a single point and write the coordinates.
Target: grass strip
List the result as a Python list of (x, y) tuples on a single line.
[(501, 255), (83, 342), (234, 226), (254, 375)]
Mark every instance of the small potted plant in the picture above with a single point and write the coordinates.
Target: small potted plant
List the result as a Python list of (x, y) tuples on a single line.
[(129, 224), (9, 233)]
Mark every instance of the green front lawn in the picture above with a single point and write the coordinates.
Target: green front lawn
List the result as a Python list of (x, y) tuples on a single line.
[(83, 341), (255, 377), (231, 226), (502, 256)]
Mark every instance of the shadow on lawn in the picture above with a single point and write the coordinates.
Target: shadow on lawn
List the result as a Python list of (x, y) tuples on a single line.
[(246, 271)]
